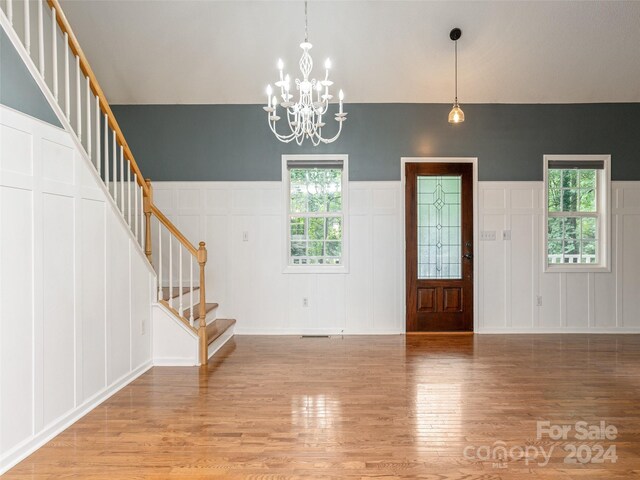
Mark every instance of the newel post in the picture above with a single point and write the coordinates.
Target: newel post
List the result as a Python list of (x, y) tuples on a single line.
[(147, 202), (202, 320)]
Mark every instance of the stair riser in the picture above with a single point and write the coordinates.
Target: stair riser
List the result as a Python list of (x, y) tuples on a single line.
[(186, 300)]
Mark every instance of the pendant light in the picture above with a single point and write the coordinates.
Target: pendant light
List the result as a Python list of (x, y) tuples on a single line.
[(456, 115)]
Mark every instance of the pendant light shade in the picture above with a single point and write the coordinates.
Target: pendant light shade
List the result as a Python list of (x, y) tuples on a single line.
[(456, 115)]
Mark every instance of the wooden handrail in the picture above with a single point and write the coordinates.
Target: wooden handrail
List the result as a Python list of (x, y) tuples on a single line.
[(174, 230), (97, 91)]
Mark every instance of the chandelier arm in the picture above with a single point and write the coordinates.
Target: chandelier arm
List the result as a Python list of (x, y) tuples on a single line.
[(282, 138), (335, 137)]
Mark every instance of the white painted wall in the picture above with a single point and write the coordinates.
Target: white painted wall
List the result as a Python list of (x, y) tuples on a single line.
[(246, 277), (75, 288), (511, 271)]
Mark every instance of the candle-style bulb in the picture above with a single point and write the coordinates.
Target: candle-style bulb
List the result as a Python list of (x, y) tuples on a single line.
[(280, 64), (327, 63), (341, 95), (269, 90)]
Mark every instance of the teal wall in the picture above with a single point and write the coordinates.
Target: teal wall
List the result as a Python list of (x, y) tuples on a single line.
[(233, 142), (18, 89)]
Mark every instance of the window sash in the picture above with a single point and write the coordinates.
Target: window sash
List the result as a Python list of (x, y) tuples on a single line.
[(302, 260)]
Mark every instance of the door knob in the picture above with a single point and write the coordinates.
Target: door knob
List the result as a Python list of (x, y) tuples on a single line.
[(468, 256)]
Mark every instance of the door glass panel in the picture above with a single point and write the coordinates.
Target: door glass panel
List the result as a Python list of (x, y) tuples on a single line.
[(439, 227)]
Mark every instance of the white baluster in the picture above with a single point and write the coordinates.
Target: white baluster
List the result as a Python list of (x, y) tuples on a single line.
[(10, 11), (122, 180), (143, 230), (67, 95), (114, 178), (170, 270), (27, 27), (135, 205), (181, 309), (89, 117), (98, 160), (129, 194), (159, 261), (142, 220), (191, 282), (78, 101), (106, 151), (54, 50), (40, 39)]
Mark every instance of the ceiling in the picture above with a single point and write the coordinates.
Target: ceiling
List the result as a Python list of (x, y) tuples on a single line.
[(212, 52)]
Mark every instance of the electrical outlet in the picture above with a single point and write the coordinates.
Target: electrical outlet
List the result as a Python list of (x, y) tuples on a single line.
[(245, 236), (539, 300), (305, 302), (506, 234), (488, 235)]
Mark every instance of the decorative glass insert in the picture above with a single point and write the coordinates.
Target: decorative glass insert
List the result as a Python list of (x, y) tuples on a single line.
[(315, 216), (572, 224), (439, 227)]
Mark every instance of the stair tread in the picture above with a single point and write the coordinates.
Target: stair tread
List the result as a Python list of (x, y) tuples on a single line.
[(196, 310), (175, 292), (218, 327)]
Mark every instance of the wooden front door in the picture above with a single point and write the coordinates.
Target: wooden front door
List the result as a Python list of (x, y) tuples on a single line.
[(439, 247)]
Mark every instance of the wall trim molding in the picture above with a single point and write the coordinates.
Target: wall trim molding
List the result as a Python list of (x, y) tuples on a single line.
[(26, 448), (555, 331)]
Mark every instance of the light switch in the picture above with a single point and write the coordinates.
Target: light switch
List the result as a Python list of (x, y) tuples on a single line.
[(506, 235), (245, 236), (488, 235)]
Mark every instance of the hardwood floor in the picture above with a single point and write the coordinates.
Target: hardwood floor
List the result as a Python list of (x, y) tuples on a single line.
[(362, 407)]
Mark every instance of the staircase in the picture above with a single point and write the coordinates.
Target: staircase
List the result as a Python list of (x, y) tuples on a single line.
[(44, 39)]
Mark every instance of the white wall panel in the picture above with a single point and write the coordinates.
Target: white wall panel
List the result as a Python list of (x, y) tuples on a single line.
[(92, 296), (17, 316), (65, 255), (58, 375), (118, 304)]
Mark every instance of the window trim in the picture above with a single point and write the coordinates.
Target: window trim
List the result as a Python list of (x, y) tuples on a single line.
[(331, 269), (603, 189)]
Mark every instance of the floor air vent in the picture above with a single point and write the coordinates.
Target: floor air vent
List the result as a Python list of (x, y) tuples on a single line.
[(314, 336)]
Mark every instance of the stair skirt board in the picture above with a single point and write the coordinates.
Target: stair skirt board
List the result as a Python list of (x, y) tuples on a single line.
[(175, 344)]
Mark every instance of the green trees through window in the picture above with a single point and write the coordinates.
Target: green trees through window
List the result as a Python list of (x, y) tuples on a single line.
[(572, 229), (315, 216)]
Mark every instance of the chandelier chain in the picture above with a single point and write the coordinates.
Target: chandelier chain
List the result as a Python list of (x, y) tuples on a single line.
[(306, 23)]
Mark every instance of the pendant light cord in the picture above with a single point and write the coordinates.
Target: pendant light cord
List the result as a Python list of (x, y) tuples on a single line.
[(456, 88), (306, 27)]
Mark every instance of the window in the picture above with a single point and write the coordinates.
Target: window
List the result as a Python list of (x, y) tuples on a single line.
[(577, 213), (316, 196)]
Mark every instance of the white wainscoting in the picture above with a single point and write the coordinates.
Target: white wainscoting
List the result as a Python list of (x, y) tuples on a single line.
[(247, 280), (511, 276), (75, 288)]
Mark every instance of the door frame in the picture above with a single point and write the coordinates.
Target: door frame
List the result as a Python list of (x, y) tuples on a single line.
[(476, 250)]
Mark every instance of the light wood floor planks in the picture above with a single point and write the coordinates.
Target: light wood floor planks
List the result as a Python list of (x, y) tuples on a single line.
[(360, 407)]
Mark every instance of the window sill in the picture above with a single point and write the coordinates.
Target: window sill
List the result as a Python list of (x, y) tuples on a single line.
[(328, 269), (577, 269)]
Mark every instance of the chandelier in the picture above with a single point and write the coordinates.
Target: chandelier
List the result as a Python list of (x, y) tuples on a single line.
[(304, 116)]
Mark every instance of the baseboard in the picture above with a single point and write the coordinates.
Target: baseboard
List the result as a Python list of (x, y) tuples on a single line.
[(333, 333), (545, 331), (174, 362), (26, 448)]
